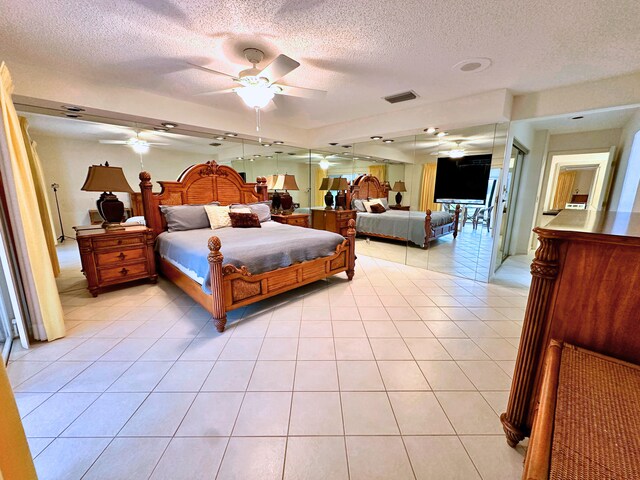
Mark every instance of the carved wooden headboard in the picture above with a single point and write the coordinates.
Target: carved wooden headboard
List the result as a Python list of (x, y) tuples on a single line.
[(368, 186), (199, 184)]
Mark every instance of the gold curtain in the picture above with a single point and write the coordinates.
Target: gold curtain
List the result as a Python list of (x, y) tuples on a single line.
[(41, 194), (427, 188), (41, 292), (379, 171), (564, 189), (15, 458), (318, 195)]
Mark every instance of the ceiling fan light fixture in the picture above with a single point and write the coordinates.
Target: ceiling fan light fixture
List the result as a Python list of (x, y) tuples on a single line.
[(456, 153), (256, 96), (442, 134), (324, 165), (140, 147)]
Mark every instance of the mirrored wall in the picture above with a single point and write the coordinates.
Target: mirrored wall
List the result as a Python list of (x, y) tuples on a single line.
[(410, 175)]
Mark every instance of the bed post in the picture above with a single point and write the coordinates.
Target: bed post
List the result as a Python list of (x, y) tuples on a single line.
[(427, 229), (150, 216), (261, 188), (456, 219), (351, 236), (217, 291)]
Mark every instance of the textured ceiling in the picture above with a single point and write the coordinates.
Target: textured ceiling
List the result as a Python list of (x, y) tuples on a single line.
[(358, 51)]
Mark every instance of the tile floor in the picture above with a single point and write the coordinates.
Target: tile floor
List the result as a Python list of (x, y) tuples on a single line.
[(400, 374)]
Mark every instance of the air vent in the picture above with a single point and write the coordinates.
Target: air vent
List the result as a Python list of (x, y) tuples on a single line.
[(401, 97)]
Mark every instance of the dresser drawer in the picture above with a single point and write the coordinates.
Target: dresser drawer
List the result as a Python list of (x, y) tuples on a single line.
[(118, 256), (346, 216), (299, 221), (129, 240), (122, 273)]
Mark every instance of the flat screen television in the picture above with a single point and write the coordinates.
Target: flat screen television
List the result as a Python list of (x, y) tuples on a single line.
[(462, 180)]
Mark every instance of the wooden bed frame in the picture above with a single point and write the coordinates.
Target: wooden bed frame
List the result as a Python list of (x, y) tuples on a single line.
[(368, 186), (233, 287)]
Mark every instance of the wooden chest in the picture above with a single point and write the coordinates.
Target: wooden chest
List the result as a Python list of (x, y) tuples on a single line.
[(332, 220)]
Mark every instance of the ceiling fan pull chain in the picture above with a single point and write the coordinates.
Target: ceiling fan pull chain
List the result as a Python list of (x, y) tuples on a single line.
[(258, 124)]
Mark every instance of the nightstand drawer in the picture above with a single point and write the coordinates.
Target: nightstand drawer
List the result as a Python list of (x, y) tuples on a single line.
[(118, 242), (345, 215), (122, 273), (299, 221), (118, 256)]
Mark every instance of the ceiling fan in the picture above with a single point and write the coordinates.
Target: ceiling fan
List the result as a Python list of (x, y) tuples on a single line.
[(457, 152), (257, 87), (136, 143)]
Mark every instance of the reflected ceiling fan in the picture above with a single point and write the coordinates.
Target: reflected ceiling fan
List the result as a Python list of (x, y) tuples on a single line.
[(257, 87), (457, 152), (136, 143)]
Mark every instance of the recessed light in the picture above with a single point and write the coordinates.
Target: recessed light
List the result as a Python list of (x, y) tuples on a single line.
[(279, 142), (239, 158), (220, 137), (376, 137), (356, 158), (231, 134), (387, 140), (266, 144), (291, 153), (473, 65), (431, 130), (160, 129), (577, 117), (72, 108), (215, 144), (251, 159), (269, 156), (169, 125), (346, 146), (71, 115), (333, 144), (367, 157), (442, 134), (278, 152), (346, 154), (257, 156)]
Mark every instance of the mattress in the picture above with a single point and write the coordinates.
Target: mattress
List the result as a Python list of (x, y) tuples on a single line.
[(270, 247), (400, 223)]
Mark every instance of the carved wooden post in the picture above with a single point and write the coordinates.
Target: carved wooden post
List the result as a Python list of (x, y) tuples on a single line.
[(217, 291), (544, 270), (351, 236), (427, 229), (261, 188), (456, 220), (147, 197)]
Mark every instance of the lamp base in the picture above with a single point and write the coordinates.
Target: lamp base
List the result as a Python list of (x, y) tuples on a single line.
[(398, 198), (341, 200), (328, 200), (111, 210)]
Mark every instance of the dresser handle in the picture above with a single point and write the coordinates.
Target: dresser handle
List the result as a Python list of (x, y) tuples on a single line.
[(120, 242), (124, 271), (122, 256)]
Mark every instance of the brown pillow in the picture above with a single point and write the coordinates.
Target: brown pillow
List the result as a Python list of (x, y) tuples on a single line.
[(244, 220), (377, 208)]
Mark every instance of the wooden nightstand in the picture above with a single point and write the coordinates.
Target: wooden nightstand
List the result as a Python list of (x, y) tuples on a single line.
[(297, 219), (400, 207), (332, 220), (112, 257)]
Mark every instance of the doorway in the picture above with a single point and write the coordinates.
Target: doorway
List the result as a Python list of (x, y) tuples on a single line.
[(509, 197)]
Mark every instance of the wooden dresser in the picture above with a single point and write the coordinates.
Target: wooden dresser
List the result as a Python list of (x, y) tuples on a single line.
[(113, 257), (332, 220), (297, 219), (585, 290)]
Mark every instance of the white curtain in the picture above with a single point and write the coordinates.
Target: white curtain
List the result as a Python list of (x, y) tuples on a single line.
[(36, 270)]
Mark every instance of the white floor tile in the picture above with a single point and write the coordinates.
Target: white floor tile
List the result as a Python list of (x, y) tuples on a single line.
[(273, 376), (69, 458), (190, 459), (128, 458), (419, 413), (469, 413), (378, 458), (316, 413), (230, 376), (359, 376), (141, 377), (257, 458), (494, 458), (211, 415), (316, 458), (402, 375), (264, 414), (368, 413), (446, 458), (312, 375), (56, 413), (170, 407), (185, 376)]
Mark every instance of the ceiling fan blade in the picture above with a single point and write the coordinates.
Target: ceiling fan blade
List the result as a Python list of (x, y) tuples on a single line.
[(113, 142), (277, 69), (216, 92), (302, 92), (209, 70), (153, 143)]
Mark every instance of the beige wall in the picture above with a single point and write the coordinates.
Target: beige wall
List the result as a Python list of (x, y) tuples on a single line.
[(65, 161), (623, 191)]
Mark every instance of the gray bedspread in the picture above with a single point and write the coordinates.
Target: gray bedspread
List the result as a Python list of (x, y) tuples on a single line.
[(259, 249), (400, 223)]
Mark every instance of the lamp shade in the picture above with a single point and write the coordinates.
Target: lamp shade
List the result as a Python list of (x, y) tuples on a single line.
[(271, 181), (326, 183), (339, 183), (106, 179), (399, 187), (285, 182)]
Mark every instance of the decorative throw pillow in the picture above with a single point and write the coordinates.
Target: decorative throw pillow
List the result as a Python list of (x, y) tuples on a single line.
[(367, 205), (377, 208), (184, 217), (383, 201), (244, 220), (218, 216)]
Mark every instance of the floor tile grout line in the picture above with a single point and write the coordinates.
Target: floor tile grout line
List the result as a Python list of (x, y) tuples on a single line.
[(293, 388)]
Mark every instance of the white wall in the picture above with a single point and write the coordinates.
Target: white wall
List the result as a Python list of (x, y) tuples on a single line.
[(625, 182), (65, 161), (584, 179)]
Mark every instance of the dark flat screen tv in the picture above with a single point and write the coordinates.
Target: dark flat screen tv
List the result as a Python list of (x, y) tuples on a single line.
[(462, 180)]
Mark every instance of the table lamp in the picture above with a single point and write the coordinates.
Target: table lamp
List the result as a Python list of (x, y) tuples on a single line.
[(399, 187), (341, 185), (328, 198), (106, 179), (287, 182)]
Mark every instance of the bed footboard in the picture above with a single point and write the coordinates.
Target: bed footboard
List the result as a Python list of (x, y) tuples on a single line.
[(431, 233)]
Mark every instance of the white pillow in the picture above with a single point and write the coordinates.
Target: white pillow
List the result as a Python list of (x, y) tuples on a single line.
[(367, 205), (242, 210), (218, 216)]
